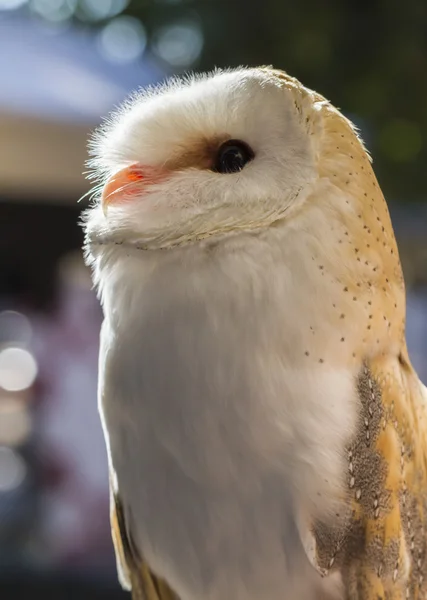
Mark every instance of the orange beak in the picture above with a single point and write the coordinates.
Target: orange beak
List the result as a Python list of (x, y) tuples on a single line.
[(127, 183)]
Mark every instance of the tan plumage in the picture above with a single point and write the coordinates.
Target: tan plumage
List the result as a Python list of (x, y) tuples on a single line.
[(380, 545), (369, 529)]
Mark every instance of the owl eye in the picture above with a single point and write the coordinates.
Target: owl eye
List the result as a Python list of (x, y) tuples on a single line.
[(232, 156)]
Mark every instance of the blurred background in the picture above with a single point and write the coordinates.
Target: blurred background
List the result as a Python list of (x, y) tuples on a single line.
[(63, 65)]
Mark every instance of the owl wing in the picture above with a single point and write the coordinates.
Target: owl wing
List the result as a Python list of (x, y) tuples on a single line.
[(379, 545), (134, 573)]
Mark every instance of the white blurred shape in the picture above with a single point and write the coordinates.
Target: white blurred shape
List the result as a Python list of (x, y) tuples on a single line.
[(180, 44), (18, 369), (97, 10), (54, 10), (15, 421), (11, 4), (14, 327), (12, 470), (122, 40)]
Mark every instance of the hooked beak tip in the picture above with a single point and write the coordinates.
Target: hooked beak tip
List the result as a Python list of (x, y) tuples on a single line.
[(127, 182), (118, 186)]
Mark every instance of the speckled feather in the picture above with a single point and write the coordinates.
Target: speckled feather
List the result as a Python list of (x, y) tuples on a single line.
[(322, 244), (379, 543)]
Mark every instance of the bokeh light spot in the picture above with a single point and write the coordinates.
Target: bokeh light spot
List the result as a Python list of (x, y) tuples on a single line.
[(96, 10), (18, 369), (123, 40), (54, 10), (179, 44), (13, 469)]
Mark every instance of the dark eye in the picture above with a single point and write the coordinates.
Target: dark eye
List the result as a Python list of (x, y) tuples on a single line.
[(232, 157)]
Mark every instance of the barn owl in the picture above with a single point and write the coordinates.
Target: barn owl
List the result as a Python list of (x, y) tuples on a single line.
[(263, 423)]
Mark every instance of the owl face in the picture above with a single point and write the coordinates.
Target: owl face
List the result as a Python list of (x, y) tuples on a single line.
[(206, 156)]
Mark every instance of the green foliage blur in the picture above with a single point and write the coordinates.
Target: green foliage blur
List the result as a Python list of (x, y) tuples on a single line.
[(369, 57)]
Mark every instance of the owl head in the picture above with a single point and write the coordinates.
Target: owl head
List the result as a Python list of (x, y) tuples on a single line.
[(207, 155), (239, 153)]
